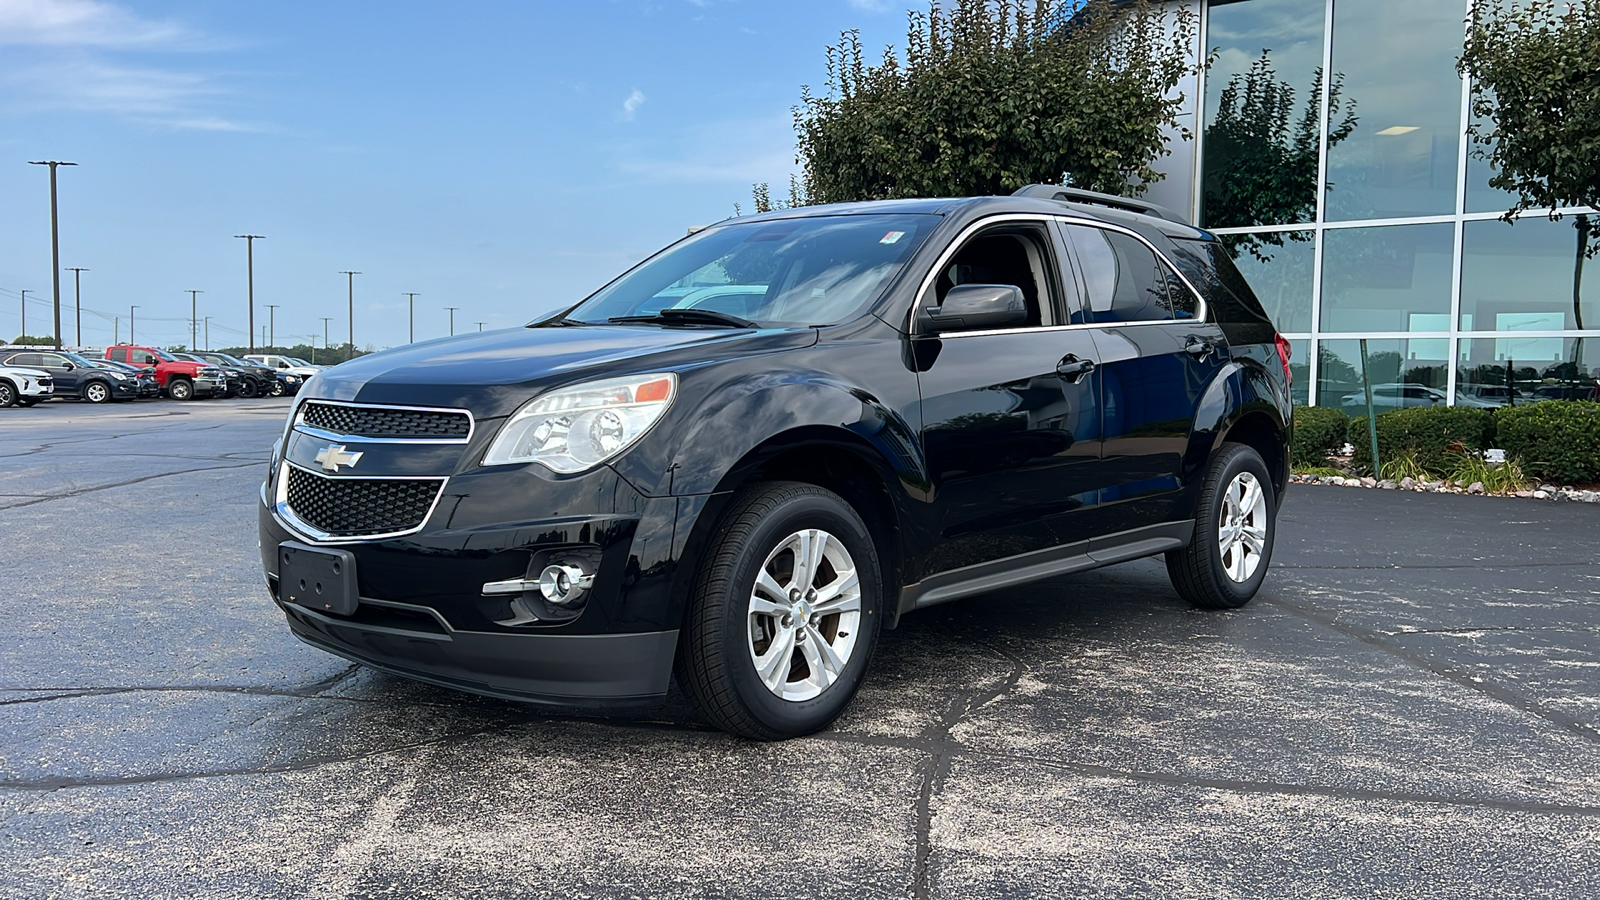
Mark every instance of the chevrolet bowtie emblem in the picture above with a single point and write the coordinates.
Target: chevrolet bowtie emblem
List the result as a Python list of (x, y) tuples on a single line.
[(334, 456)]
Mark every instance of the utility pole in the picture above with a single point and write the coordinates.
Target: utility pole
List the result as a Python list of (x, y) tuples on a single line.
[(351, 277), (325, 321), (208, 332), (272, 324), (25, 293), (480, 326), (194, 320), (250, 274), (116, 330), (77, 300), (130, 323), (55, 242), (411, 297), (452, 318)]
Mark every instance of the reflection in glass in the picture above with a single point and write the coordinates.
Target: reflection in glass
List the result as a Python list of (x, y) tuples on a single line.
[(1519, 277), (1300, 371), (1403, 372), (1513, 370), (1390, 278), (1263, 107), (1399, 62), (1284, 282), (1480, 196)]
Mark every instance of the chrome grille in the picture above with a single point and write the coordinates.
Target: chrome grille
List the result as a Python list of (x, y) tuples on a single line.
[(355, 507), (387, 421)]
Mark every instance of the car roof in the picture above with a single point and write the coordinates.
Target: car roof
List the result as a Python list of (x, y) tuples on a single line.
[(969, 208)]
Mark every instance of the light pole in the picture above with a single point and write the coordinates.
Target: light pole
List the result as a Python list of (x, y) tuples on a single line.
[(452, 318), (272, 325), (351, 278), (77, 301), (25, 293), (208, 332), (250, 275), (411, 298), (130, 323), (194, 320), (325, 321), (55, 242), (480, 326)]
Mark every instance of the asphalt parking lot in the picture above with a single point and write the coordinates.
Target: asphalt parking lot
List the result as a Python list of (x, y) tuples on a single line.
[(1410, 709)]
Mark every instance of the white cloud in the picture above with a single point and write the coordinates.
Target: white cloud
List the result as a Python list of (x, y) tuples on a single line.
[(632, 104), (153, 96), (718, 152), (873, 6), (80, 23)]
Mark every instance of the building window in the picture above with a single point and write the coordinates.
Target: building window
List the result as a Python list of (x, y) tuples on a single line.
[(1519, 277), (1398, 63), (1279, 267), (1403, 372), (1389, 278), (1535, 368)]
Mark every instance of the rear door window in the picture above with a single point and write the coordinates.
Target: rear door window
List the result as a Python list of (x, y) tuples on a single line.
[(1125, 280)]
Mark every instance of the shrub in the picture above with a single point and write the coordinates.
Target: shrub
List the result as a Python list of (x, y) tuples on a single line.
[(1496, 479), (1434, 435), (1318, 431), (1554, 440)]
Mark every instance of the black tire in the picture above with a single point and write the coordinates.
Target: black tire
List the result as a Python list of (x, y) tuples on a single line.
[(715, 667), (247, 388), (1200, 572), (28, 401), (8, 393), (180, 389), (97, 392), (277, 388)]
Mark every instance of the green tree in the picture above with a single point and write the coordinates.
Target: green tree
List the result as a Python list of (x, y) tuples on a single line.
[(1535, 70), (35, 340), (1262, 159), (995, 94)]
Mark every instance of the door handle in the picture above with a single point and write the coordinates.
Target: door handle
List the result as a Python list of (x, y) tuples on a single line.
[(1072, 368), (1198, 347)]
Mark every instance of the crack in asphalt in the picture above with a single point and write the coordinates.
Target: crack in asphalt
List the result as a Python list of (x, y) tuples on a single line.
[(143, 478), (1454, 674)]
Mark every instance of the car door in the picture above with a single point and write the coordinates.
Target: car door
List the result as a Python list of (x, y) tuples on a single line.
[(67, 375), (1157, 357), (1010, 417)]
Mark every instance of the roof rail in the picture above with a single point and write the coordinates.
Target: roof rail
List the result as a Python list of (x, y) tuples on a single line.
[(1095, 198)]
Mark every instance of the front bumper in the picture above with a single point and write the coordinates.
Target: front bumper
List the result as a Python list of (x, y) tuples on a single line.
[(422, 612)]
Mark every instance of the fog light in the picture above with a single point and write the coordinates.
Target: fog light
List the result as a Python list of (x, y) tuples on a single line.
[(562, 585)]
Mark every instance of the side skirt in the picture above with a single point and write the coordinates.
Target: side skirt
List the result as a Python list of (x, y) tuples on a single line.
[(1039, 564)]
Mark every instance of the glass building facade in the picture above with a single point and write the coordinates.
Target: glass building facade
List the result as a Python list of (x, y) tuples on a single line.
[(1357, 210)]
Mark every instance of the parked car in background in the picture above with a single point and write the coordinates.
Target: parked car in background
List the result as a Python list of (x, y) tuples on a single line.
[(255, 380), (1571, 391), (180, 379), (233, 384), (76, 377), (1398, 396), (148, 386), (1493, 395), (290, 364), (22, 386), (288, 384)]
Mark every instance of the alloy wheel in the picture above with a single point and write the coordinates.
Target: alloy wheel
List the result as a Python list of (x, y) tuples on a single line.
[(1242, 527), (804, 615)]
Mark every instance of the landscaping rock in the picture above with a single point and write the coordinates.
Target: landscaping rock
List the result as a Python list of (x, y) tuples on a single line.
[(1475, 488), (1547, 488), (1524, 494), (1369, 481), (1387, 485), (1408, 483), (1541, 495)]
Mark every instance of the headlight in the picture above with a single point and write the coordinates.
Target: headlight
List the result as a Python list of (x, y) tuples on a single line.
[(292, 379), (582, 426), (119, 376)]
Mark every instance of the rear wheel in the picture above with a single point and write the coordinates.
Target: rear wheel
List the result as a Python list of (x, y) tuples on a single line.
[(1223, 567), (247, 388), (8, 393), (181, 389), (97, 392), (784, 613)]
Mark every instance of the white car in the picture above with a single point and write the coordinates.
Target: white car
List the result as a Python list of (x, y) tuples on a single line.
[(24, 386), (287, 364)]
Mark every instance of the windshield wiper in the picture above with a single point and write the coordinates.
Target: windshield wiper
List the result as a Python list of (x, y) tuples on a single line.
[(686, 315)]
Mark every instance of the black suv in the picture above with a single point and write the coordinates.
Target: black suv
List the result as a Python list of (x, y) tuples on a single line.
[(77, 377), (748, 453), (255, 380)]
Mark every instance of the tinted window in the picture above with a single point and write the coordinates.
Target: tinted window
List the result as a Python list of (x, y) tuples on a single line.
[(1014, 255), (143, 358), (120, 354), (24, 359), (1125, 280)]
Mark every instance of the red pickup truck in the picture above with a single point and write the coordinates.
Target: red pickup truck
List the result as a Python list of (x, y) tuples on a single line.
[(179, 379)]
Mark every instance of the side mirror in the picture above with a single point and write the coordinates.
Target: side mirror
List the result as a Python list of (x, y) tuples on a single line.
[(968, 307), (68, 366)]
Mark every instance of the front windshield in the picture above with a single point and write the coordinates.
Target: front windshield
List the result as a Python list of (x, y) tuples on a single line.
[(163, 355), (298, 361), (811, 271)]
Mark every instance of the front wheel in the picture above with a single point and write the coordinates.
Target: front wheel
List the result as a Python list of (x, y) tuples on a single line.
[(784, 613), (180, 389), (277, 387), (247, 388), (1223, 567), (97, 392), (8, 393)]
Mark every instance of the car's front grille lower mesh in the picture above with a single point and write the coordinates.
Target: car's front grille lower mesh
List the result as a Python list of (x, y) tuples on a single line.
[(355, 507), (386, 421)]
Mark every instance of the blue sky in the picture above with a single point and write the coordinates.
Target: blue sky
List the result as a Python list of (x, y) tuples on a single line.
[(505, 158)]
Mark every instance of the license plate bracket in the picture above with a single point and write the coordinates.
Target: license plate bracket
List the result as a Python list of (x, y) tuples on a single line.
[(318, 578)]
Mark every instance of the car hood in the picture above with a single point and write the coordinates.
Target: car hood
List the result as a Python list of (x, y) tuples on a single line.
[(492, 373)]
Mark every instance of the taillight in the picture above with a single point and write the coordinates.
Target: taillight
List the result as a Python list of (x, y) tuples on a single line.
[(1283, 357)]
